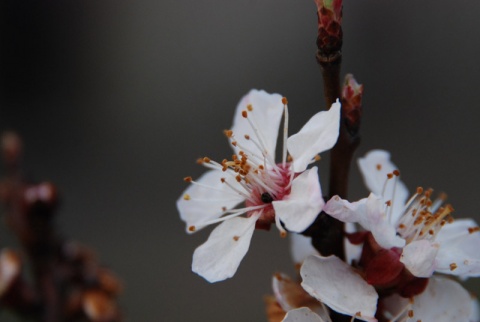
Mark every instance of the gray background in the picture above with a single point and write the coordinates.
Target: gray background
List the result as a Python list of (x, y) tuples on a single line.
[(115, 100)]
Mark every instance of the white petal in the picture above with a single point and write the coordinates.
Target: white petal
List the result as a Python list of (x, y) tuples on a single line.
[(319, 134), (267, 114), (299, 209), (419, 257), (444, 300), (333, 282), (219, 257), (475, 314), (206, 204), (369, 213), (301, 247), (303, 314), (458, 254), (374, 168)]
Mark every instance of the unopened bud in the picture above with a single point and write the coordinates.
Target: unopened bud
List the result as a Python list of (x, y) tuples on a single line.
[(352, 93), (330, 35)]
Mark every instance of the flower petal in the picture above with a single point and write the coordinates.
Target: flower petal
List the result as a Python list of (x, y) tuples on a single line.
[(459, 243), (319, 134), (301, 247), (219, 257), (303, 314), (333, 282), (374, 168), (419, 257), (266, 114), (199, 204), (299, 209), (444, 300), (370, 215)]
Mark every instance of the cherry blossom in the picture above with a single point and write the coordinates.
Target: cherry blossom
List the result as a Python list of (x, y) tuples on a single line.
[(286, 193), (421, 231)]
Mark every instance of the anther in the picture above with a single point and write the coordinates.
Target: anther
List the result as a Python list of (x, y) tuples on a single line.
[(472, 230), (317, 158), (238, 178), (249, 107), (236, 238), (389, 175), (419, 190), (192, 228), (410, 313), (453, 266), (379, 167), (396, 173), (228, 133), (186, 197), (388, 203), (206, 159), (247, 137), (199, 161), (284, 101), (188, 179), (283, 234), (222, 180), (234, 143), (244, 114)]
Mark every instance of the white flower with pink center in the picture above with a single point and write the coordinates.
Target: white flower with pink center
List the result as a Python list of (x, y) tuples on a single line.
[(422, 230), (286, 193)]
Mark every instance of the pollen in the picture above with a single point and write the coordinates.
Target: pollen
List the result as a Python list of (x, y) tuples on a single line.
[(244, 114), (472, 230), (284, 101), (188, 179), (192, 228), (453, 266), (186, 197), (249, 107), (379, 167), (228, 133)]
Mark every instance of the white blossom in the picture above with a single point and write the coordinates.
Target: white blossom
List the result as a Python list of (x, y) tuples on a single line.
[(282, 193)]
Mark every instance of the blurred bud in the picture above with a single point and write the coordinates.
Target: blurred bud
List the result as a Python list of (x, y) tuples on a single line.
[(109, 282), (11, 148), (99, 307), (42, 197), (77, 253), (352, 93), (10, 267), (330, 35)]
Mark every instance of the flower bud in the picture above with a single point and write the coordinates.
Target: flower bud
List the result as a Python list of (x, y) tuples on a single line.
[(330, 35), (352, 93)]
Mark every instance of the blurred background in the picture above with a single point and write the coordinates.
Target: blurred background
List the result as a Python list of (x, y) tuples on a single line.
[(115, 100)]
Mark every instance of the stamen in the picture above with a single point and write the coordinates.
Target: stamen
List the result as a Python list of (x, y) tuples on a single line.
[(283, 232), (285, 131)]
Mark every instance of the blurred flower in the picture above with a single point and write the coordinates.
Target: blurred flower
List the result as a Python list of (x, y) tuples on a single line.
[(421, 232), (286, 192)]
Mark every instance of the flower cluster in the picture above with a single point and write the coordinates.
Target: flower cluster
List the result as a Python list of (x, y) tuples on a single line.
[(399, 247)]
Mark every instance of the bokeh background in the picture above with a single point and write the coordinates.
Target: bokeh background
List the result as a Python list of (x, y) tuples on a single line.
[(116, 99)]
